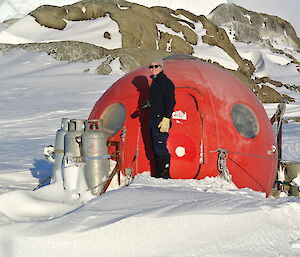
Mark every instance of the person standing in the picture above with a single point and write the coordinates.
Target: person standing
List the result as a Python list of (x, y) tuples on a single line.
[(162, 102)]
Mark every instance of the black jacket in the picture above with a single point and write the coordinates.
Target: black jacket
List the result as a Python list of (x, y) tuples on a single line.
[(162, 96)]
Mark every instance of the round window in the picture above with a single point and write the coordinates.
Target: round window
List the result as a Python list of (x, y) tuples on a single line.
[(113, 118), (244, 120)]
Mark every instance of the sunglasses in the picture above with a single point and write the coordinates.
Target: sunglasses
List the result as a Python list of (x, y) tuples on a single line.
[(154, 66)]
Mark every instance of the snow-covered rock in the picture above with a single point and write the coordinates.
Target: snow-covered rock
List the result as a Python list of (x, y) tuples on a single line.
[(252, 27)]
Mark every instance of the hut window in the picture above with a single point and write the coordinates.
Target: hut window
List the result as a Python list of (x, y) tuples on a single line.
[(113, 118), (245, 120)]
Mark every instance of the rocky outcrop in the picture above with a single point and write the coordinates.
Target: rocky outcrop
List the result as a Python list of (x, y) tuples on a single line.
[(130, 59), (71, 51), (137, 24), (216, 36), (50, 16), (248, 26)]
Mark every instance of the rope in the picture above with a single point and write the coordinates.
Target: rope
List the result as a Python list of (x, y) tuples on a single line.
[(258, 156), (248, 173), (128, 172), (222, 167), (253, 155), (137, 148)]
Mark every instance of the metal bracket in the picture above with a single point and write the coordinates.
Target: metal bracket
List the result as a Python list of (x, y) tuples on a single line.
[(222, 166)]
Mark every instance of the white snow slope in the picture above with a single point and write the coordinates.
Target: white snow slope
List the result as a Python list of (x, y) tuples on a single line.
[(150, 217)]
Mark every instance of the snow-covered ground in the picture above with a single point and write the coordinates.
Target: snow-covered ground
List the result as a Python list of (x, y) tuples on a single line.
[(150, 217)]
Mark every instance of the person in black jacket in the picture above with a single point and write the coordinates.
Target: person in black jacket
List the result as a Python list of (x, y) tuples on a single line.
[(162, 102)]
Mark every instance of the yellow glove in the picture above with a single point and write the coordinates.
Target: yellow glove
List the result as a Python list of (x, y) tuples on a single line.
[(164, 125)]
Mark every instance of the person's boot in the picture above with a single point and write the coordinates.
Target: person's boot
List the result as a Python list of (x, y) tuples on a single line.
[(158, 168), (165, 168)]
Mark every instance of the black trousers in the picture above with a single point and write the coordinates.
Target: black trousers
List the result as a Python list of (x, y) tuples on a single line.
[(158, 139)]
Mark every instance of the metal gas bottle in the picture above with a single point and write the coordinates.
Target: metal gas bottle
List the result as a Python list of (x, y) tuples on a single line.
[(95, 155), (59, 149), (72, 139), (71, 173)]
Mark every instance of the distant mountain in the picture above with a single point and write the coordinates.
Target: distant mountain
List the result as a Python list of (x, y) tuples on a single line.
[(253, 27)]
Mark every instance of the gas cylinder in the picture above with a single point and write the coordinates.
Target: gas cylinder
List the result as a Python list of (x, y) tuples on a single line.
[(70, 171), (59, 149), (73, 139), (95, 155)]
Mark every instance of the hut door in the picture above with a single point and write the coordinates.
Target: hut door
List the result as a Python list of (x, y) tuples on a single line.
[(186, 136)]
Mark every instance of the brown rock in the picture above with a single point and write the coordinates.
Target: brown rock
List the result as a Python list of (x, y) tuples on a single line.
[(107, 35), (74, 13), (56, 11), (93, 11), (50, 21)]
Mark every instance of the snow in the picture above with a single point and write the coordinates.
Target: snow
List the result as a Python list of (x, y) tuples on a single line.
[(91, 31), (269, 64), (150, 217), (163, 28), (19, 8)]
